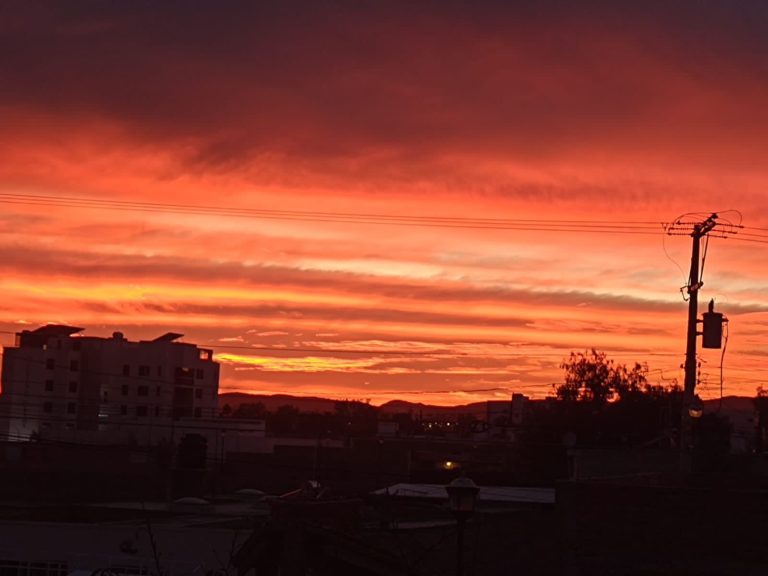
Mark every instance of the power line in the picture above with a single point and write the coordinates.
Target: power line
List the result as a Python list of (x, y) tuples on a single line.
[(625, 227), (592, 226)]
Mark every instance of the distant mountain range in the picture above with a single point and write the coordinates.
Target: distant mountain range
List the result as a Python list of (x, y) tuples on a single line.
[(317, 404), (739, 408)]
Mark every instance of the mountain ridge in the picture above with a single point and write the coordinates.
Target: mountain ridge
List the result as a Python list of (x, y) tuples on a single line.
[(729, 405)]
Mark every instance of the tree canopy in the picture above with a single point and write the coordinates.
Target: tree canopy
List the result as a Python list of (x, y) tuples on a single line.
[(591, 376)]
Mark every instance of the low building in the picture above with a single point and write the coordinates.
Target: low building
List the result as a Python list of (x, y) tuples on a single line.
[(58, 384), (189, 537)]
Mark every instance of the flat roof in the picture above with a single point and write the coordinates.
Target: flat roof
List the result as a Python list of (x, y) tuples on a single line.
[(55, 330), (514, 494)]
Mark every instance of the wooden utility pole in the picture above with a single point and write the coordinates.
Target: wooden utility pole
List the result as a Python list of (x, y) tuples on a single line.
[(712, 321), (700, 230)]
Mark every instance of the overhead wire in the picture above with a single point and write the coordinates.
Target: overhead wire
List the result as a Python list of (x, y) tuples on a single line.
[(592, 226), (632, 227), (722, 358), (703, 259)]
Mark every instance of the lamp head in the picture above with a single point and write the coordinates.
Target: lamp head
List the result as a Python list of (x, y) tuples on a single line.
[(462, 496)]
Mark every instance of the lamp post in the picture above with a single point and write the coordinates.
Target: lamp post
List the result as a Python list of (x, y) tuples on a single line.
[(462, 494)]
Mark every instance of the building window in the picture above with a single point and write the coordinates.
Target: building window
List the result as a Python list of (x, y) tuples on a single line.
[(157, 410), (198, 412), (73, 386), (199, 393), (199, 373), (205, 354), (71, 408), (142, 391), (124, 389), (141, 411), (159, 370), (126, 370), (49, 385), (143, 370), (123, 410), (47, 407), (50, 363), (157, 391), (184, 376), (76, 345), (74, 365)]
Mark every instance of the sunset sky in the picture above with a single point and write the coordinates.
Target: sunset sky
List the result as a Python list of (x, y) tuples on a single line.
[(335, 115)]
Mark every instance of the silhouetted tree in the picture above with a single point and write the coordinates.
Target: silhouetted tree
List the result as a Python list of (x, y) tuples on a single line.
[(284, 420), (355, 418), (592, 377), (605, 403), (251, 410)]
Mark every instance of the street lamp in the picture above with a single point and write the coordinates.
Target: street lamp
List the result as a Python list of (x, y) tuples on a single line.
[(462, 495), (696, 409)]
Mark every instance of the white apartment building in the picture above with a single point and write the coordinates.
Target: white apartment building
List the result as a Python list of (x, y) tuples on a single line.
[(59, 384)]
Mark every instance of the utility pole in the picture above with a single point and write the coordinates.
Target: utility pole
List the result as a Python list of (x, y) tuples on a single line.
[(700, 229), (712, 321)]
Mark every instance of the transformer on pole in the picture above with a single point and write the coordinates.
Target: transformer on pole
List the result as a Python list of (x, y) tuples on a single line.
[(712, 328)]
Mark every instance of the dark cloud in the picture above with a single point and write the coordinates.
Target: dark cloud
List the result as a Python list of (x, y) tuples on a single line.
[(331, 315), (319, 81)]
